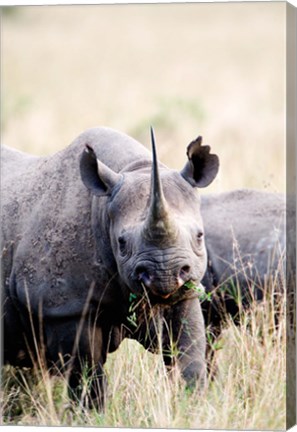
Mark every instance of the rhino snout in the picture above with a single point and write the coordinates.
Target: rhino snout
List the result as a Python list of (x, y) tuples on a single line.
[(163, 283)]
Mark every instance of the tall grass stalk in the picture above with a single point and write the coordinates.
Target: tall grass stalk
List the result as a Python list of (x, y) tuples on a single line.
[(247, 392)]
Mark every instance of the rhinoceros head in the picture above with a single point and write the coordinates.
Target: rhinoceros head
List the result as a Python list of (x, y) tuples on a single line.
[(155, 226)]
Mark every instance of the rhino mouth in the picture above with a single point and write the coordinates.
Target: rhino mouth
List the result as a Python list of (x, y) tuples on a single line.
[(189, 289), (138, 302)]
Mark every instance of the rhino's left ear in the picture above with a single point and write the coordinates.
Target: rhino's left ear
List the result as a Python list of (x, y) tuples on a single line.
[(202, 166), (97, 176)]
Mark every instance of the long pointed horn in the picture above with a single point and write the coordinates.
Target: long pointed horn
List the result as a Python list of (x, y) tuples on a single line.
[(158, 208), (158, 223)]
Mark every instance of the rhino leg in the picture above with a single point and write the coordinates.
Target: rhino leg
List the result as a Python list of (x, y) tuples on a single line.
[(94, 393), (77, 349), (184, 341)]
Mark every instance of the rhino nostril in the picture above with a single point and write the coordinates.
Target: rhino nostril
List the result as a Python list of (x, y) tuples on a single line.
[(143, 275), (186, 269), (184, 272)]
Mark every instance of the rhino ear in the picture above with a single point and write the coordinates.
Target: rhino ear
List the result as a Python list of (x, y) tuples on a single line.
[(97, 176), (202, 166)]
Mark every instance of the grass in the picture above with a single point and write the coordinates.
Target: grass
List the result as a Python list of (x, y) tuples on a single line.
[(248, 390)]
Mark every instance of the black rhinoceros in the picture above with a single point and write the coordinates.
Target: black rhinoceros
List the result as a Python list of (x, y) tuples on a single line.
[(102, 242)]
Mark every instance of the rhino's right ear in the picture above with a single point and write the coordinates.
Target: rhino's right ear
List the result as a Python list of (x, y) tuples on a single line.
[(97, 176), (202, 166)]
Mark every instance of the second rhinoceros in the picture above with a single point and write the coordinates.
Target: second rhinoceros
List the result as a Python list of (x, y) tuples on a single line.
[(246, 247)]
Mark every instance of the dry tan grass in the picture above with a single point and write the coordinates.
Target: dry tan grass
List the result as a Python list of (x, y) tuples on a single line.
[(248, 391)]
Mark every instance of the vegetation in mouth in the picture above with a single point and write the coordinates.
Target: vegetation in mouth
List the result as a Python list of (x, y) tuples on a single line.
[(138, 300), (133, 304), (199, 289)]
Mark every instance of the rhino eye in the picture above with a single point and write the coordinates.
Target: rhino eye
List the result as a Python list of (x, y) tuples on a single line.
[(122, 244)]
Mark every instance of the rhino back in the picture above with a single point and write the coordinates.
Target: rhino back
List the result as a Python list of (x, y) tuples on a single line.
[(115, 149), (55, 180), (245, 233)]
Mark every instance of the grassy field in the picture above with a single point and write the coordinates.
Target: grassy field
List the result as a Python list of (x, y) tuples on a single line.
[(212, 69), (247, 392)]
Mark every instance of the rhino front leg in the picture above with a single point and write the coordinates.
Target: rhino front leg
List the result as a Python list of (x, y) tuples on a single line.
[(77, 349), (184, 341), (88, 384)]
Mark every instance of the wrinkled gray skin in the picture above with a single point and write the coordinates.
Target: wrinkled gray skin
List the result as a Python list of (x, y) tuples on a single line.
[(245, 241), (96, 246)]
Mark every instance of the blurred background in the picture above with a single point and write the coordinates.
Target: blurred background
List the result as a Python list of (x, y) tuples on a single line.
[(210, 69)]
